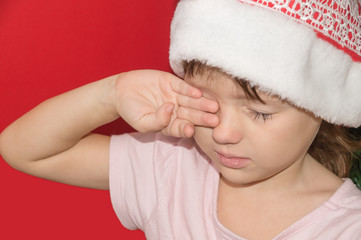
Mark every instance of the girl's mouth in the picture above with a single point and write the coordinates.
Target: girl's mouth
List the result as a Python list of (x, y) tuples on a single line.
[(232, 161)]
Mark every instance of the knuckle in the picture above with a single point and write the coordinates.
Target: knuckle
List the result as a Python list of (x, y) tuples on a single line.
[(182, 113), (180, 129), (204, 118), (173, 129)]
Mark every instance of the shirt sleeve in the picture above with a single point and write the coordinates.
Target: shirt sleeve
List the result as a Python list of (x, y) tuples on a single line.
[(136, 176)]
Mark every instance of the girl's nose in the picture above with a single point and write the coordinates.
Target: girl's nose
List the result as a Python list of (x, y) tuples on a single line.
[(228, 130)]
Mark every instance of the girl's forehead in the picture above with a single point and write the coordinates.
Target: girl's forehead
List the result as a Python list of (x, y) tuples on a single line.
[(222, 83), (211, 79)]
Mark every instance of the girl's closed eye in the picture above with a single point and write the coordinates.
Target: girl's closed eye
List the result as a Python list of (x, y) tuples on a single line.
[(257, 115)]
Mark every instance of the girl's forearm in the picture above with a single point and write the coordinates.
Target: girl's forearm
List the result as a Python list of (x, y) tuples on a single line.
[(59, 123)]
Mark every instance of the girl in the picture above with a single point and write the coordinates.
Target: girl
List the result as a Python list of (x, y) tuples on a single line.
[(246, 147)]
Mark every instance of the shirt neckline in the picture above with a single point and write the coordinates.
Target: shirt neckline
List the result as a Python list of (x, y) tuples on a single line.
[(331, 203)]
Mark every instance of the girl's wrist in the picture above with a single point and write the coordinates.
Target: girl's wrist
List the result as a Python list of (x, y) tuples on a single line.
[(108, 97)]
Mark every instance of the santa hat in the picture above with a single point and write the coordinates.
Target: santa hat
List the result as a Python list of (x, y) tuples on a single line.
[(305, 51)]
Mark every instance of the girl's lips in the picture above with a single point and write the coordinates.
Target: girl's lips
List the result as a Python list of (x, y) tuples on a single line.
[(233, 162)]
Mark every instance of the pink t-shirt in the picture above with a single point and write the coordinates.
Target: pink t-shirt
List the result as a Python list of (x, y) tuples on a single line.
[(166, 187)]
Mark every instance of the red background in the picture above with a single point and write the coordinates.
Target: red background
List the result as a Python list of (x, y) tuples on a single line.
[(48, 47)]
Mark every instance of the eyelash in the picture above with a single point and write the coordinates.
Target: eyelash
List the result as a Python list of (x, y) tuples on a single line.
[(265, 116)]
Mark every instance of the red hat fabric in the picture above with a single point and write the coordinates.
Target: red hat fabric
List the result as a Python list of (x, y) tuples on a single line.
[(338, 21)]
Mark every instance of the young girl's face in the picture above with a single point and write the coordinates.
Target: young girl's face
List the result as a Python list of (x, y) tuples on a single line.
[(254, 141)]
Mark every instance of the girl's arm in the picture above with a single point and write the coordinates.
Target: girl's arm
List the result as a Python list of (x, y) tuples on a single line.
[(52, 141)]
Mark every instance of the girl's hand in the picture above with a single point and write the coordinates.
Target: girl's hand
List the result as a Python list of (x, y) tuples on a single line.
[(150, 100)]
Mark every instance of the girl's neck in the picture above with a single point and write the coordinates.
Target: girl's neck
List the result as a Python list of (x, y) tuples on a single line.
[(281, 200), (302, 177)]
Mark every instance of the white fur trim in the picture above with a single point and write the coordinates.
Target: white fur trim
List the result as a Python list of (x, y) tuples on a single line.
[(271, 51)]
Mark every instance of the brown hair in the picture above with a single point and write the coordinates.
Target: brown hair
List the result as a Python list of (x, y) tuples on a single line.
[(333, 147)]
